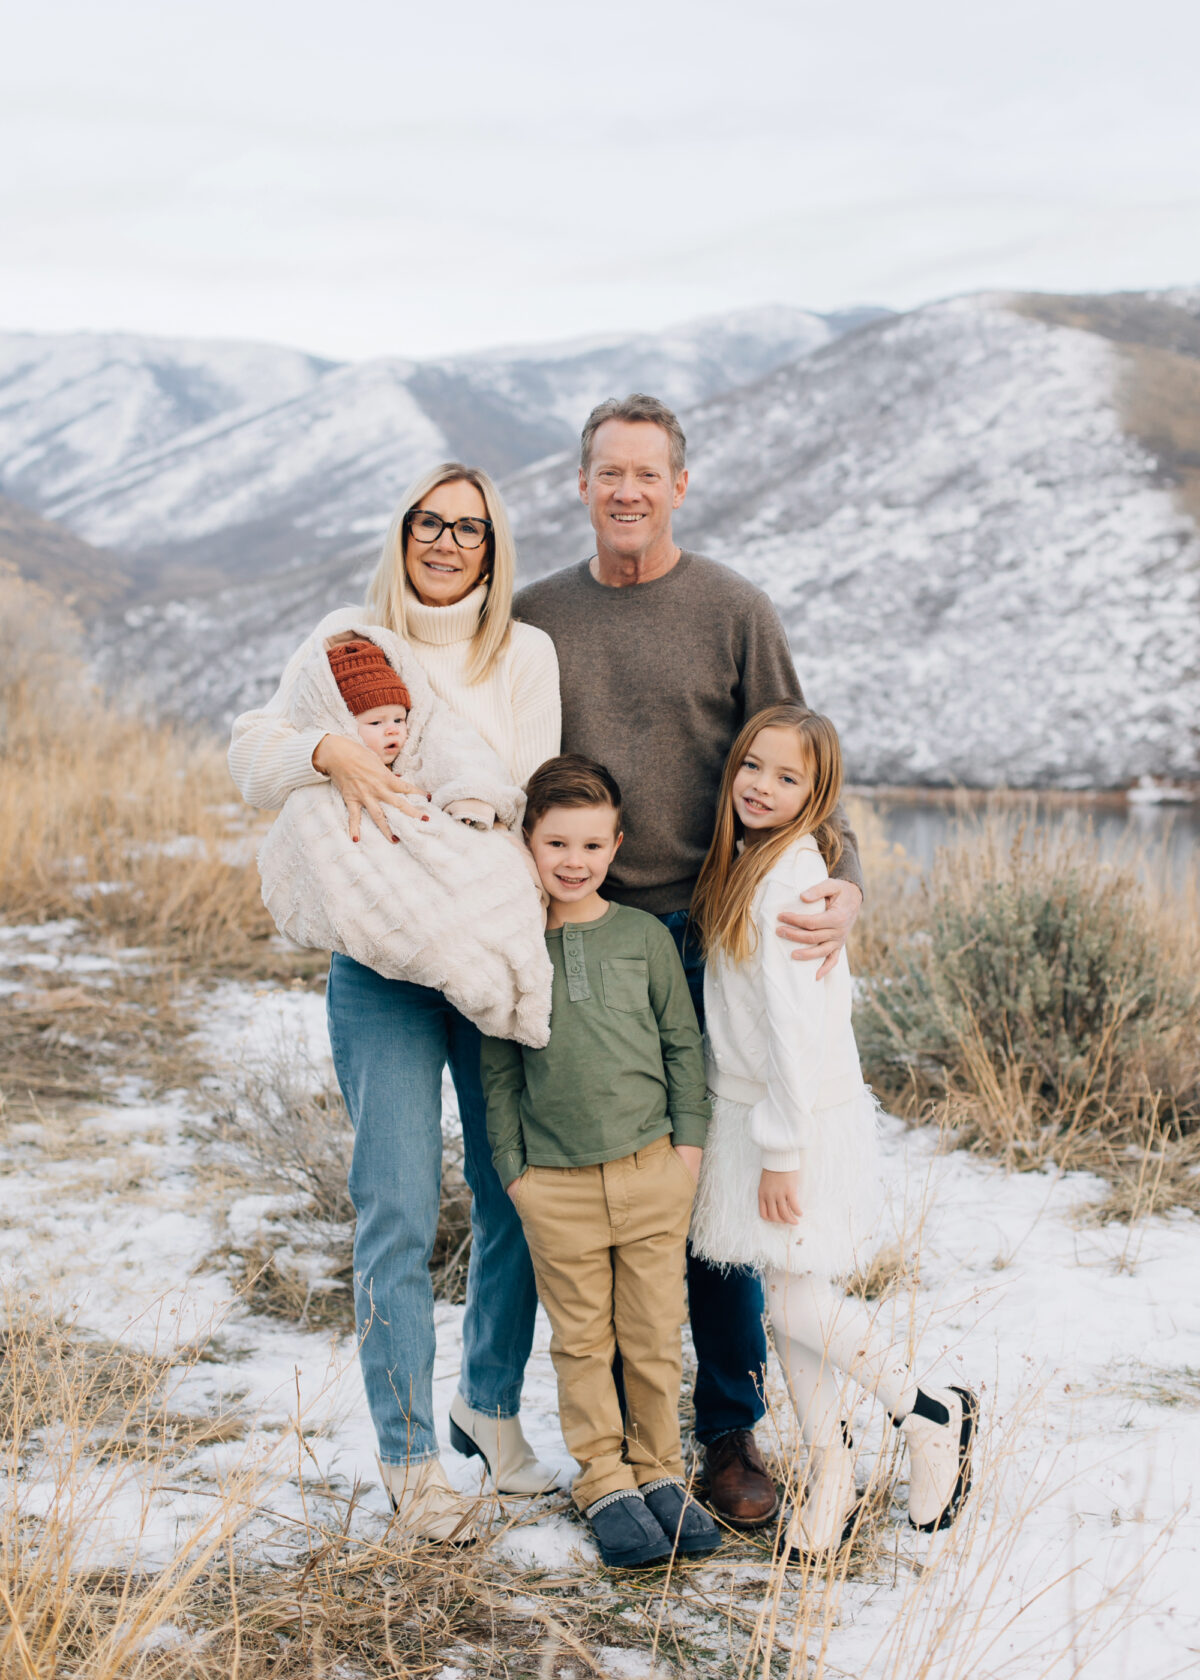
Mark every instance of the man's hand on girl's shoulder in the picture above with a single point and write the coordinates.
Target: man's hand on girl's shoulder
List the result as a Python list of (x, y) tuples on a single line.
[(819, 934)]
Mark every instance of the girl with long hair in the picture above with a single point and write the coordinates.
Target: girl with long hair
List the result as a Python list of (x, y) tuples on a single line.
[(788, 1179)]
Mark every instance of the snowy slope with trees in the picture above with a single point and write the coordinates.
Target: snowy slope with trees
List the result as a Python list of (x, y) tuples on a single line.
[(984, 575), (204, 468), (978, 519)]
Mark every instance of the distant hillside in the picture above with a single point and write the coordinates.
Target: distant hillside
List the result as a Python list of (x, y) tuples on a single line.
[(988, 572), (211, 464), (83, 577), (1158, 393), (978, 519)]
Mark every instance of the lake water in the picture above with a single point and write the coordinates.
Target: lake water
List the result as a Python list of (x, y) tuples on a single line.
[(922, 823)]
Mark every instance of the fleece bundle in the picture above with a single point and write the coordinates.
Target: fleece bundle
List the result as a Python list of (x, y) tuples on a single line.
[(447, 906)]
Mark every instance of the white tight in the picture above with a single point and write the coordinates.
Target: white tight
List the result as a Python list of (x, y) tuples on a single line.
[(821, 1335)]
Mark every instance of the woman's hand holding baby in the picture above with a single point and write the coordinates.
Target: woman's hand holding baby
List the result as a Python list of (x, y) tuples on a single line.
[(779, 1197), (365, 783)]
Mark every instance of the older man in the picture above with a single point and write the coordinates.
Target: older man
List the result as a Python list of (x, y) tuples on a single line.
[(663, 656)]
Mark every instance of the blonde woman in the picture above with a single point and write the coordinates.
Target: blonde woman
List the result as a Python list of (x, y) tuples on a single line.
[(444, 582)]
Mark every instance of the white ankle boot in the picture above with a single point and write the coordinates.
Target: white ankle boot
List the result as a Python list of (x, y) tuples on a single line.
[(426, 1506), (939, 1455), (823, 1519), (501, 1444)]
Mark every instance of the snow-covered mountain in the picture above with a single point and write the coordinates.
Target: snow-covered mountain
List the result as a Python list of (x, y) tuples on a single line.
[(206, 467), (986, 574), (75, 408), (977, 519)]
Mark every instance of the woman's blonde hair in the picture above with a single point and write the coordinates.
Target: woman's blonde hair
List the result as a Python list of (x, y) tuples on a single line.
[(724, 895), (389, 590)]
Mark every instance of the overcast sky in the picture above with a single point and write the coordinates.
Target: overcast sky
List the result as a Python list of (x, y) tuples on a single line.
[(374, 176)]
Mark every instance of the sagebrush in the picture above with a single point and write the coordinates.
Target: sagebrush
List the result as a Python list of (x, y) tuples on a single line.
[(1044, 1000)]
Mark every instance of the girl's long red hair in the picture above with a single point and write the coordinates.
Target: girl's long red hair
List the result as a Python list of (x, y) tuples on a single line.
[(724, 895)]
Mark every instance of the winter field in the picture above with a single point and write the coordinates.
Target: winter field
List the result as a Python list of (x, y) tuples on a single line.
[(189, 1484)]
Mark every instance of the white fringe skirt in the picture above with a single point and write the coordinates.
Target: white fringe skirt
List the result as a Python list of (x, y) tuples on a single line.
[(839, 1194)]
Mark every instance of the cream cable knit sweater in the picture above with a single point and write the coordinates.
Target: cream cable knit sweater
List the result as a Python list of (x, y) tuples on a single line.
[(444, 906), (788, 1095), (777, 1038), (515, 709)]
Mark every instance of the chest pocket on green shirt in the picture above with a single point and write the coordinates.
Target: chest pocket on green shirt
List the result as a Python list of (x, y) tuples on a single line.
[(626, 983)]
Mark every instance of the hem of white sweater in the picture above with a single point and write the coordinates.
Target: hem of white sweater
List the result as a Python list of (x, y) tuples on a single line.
[(733, 1086), (782, 1160)]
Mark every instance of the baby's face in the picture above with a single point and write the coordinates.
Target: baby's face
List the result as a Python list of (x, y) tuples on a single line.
[(384, 729)]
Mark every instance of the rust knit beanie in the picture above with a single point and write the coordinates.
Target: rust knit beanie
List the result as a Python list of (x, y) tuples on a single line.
[(365, 677)]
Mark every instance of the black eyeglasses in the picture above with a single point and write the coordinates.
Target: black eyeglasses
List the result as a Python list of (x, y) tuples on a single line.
[(428, 527)]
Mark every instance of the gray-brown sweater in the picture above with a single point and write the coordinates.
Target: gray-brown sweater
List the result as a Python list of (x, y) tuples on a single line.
[(657, 679)]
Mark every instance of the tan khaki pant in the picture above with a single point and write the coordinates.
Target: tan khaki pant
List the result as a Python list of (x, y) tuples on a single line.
[(608, 1252)]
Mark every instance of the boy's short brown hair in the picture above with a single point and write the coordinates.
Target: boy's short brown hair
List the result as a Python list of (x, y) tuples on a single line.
[(571, 780)]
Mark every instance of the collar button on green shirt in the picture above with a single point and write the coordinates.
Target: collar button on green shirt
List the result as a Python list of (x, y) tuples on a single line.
[(619, 1071)]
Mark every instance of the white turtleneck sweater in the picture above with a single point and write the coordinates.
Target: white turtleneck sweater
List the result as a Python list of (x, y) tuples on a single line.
[(777, 1038), (515, 708)]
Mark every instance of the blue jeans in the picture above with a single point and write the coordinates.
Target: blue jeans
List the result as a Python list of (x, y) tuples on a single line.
[(390, 1042), (726, 1307)]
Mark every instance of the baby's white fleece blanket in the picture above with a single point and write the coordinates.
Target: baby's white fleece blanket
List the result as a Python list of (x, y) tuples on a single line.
[(447, 907)]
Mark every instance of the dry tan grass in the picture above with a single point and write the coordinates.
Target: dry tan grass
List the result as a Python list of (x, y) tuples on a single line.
[(1041, 1002), (80, 1419), (133, 829), (346, 1597), (62, 1044), (887, 1273), (281, 1127), (892, 904)]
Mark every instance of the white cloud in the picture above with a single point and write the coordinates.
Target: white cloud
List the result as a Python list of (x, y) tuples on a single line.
[(388, 177)]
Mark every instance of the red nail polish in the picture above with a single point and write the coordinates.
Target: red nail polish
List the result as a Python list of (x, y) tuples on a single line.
[(354, 837), (395, 839), (424, 819)]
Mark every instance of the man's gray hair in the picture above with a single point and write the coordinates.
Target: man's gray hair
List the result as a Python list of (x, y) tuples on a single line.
[(635, 407)]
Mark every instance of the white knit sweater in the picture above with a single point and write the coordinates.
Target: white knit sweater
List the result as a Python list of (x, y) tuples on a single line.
[(777, 1038), (442, 906), (516, 708)]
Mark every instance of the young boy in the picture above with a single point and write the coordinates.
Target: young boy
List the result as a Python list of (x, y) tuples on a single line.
[(597, 1139)]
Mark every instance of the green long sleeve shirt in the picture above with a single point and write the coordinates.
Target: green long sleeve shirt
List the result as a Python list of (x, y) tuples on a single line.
[(624, 1063)]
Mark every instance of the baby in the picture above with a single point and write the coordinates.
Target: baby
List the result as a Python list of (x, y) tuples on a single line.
[(374, 695), (379, 703), (439, 906)]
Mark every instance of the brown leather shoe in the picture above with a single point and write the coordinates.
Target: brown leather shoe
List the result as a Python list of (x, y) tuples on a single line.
[(739, 1488)]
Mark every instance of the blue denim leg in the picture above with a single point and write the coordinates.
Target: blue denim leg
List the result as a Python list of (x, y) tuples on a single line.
[(501, 1292), (726, 1307), (726, 1310), (678, 925), (389, 1045)]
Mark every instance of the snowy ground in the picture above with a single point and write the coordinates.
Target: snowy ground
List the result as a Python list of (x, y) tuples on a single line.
[(1083, 1544)]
